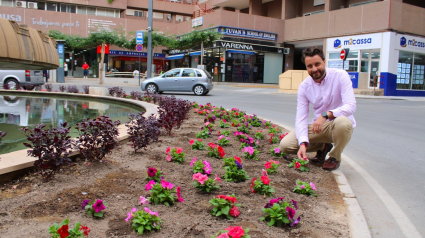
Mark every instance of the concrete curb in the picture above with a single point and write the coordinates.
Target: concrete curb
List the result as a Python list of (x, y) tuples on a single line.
[(356, 219), (18, 160)]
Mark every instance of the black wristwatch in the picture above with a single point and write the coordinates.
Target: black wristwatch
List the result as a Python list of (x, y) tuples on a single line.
[(325, 115)]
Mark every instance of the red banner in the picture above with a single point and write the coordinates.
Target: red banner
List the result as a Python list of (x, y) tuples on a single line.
[(99, 49)]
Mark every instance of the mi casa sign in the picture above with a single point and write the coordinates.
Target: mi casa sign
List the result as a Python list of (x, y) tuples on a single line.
[(236, 46), (12, 17)]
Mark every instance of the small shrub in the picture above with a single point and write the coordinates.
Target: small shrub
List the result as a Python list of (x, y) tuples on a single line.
[(262, 186), (172, 112), (98, 137), (234, 170), (225, 206), (72, 89), (135, 94), (203, 183), (279, 212), (50, 146), (163, 193), (62, 88), (37, 88), (29, 87), (63, 230), (48, 87), (94, 208), (86, 89), (6, 86), (301, 164), (144, 220), (112, 91), (142, 130)]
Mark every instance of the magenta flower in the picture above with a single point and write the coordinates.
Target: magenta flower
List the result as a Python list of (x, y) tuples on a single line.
[(302, 187), (291, 212), (207, 167), (295, 204), (202, 178), (179, 150), (217, 178), (84, 204), (249, 149), (193, 161), (143, 200), (312, 186), (296, 221), (276, 150), (98, 205), (149, 185), (151, 212), (152, 172), (179, 195), (168, 150), (264, 172), (191, 142), (166, 184), (130, 214), (168, 158)]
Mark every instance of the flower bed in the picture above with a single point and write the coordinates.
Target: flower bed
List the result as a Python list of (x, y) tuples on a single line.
[(121, 180)]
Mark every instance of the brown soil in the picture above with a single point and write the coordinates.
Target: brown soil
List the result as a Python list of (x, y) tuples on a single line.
[(29, 206)]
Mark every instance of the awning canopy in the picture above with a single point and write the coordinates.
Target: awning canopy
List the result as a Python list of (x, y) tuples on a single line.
[(241, 52), (174, 57), (196, 53), (26, 48)]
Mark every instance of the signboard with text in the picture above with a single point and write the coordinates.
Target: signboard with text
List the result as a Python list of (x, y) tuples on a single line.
[(240, 32)]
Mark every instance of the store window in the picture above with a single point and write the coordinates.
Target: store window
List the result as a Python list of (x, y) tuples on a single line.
[(7, 3), (410, 71), (351, 64)]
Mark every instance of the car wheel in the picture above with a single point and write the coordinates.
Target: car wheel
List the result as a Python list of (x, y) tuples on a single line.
[(151, 88), (12, 83), (199, 90)]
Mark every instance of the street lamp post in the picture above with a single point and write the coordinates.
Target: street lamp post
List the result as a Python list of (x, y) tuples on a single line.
[(149, 73)]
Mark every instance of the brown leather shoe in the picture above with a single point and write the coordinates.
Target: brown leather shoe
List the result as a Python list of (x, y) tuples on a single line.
[(331, 164), (321, 155)]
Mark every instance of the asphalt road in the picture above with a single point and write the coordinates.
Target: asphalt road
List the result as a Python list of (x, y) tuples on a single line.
[(386, 162)]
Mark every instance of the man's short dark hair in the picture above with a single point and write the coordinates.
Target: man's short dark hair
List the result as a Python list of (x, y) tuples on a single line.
[(312, 51)]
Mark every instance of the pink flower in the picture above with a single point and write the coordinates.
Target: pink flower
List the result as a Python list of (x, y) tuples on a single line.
[(130, 214), (143, 200), (179, 195), (179, 150), (168, 158), (207, 167), (196, 176), (276, 150), (224, 120), (305, 159), (268, 165), (202, 178), (220, 137), (193, 161), (166, 184), (249, 149), (302, 187), (264, 172), (191, 142), (236, 231), (168, 150), (207, 123), (275, 162), (151, 212), (217, 178), (312, 186), (149, 185), (223, 235), (98, 206)]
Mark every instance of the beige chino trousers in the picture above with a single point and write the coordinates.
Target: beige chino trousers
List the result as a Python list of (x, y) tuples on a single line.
[(337, 131)]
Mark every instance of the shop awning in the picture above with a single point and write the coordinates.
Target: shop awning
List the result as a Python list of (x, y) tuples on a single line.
[(196, 53), (241, 52), (174, 57)]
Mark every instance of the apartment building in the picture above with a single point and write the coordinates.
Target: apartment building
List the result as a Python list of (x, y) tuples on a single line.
[(386, 38)]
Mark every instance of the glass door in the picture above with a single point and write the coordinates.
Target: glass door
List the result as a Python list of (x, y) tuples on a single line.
[(374, 58)]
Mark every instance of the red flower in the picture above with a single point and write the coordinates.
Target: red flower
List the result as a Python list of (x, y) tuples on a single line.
[(252, 185), (63, 231), (236, 231), (168, 150), (268, 165), (237, 114), (212, 145), (179, 150), (219, 132), (222, 196), (221, 152), (233, 124), (238, 159), (231, 199), (297, 165), (265, 180), (85, 229), (199, 140), (234, 212)]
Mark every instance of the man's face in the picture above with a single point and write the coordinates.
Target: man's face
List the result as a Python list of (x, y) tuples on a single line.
[(315, 67)]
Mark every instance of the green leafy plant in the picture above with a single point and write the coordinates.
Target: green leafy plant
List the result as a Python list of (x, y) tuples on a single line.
[(262, 186), (224, 133), (274, 129), (196, 144), (254, 121), (279, 212), (251, 153), (271, 166), (245, 128), (203, 183), (233, 232), (202, 167), (234, 170), (94, 208), (146, 220), (223, 140), (204, 134), (300, 164), (259, 135), (163, 193), (215, 151), (176, 154), (275, 151), (305, 188), (223, 124), (225, 206), (62, 230), (154, 174)]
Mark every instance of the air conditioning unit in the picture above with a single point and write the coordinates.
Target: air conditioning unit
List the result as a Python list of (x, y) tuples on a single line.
[(129, 12), (21, 4), (32, 5)]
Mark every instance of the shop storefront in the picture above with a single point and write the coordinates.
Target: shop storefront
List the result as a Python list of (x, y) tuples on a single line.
[(363, 61), (128, 61)]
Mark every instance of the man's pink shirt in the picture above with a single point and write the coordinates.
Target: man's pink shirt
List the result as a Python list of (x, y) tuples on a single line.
[(335, 93)]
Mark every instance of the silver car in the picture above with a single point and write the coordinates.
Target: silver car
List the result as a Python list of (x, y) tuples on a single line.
[(194, 80), (21, 77)]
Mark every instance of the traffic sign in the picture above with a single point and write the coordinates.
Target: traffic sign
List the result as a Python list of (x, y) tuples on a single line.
[(139, 37), (139, 47), (342, 55)]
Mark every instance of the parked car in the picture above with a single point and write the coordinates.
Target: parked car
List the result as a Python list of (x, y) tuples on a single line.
[(194, 80), (21, 77)]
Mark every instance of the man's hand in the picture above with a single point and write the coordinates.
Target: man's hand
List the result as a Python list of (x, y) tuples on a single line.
[(318, 125), (302, 152)]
